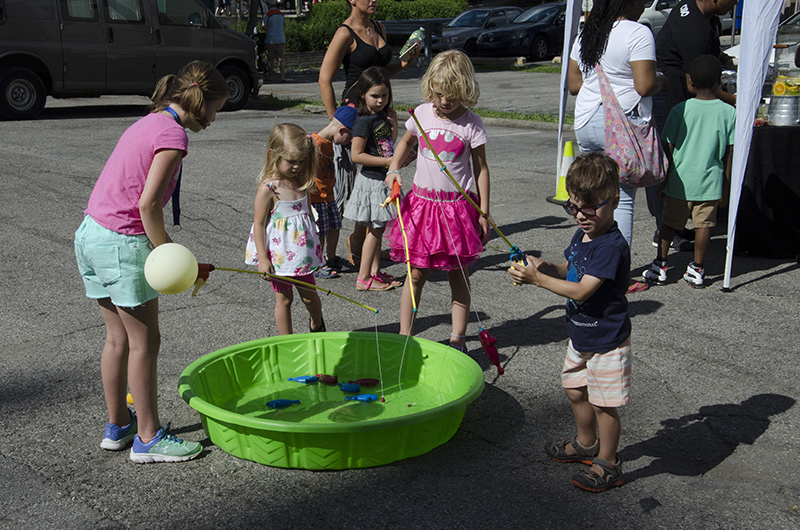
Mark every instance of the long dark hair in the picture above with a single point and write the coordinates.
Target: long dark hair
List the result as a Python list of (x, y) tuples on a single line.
[(372, 76), (594, 37)]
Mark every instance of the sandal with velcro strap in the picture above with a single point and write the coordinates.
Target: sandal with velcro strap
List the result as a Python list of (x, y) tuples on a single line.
[(556, 450), (590, 481)]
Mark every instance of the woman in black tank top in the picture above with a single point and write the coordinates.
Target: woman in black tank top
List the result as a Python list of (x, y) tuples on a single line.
[(358, 44)]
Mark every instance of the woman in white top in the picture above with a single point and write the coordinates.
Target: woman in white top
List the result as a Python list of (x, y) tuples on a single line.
[(626, 51)]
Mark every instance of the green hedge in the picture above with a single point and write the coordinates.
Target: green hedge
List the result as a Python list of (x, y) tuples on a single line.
[(313, 31)]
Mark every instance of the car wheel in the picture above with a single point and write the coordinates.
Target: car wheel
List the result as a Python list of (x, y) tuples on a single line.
[(22, 94), (470, 48), (539, 48), (238, 87)]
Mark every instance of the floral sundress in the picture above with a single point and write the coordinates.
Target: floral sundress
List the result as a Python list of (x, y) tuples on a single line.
[(292, 240)]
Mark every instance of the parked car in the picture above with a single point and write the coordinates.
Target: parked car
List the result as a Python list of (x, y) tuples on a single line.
[(537, 33), (463, 31), (88, 48), (656, 13)]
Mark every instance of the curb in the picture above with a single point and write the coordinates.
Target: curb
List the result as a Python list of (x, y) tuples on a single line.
[(496, 122)]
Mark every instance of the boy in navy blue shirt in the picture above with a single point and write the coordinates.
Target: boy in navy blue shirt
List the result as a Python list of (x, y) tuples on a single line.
[(594, 279)]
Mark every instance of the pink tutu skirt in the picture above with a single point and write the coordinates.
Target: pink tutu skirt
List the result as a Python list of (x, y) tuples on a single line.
[(442, 230)]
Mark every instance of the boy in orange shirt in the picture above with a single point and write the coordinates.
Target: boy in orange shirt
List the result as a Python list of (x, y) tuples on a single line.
[(328, 216)]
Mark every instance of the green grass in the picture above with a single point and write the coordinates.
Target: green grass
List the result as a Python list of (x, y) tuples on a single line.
[(270, 102), (483, 113), (542, 69)]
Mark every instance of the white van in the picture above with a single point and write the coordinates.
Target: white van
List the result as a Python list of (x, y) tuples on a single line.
[(80, 48)]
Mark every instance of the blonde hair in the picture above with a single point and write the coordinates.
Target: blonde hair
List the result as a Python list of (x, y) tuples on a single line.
[(195, 84), (452, 73), (290, 142)]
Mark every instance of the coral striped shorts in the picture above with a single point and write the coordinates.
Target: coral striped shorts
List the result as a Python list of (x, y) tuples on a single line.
[(607, 376)]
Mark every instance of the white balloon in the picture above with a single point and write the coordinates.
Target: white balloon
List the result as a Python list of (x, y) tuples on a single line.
[(170, 268)]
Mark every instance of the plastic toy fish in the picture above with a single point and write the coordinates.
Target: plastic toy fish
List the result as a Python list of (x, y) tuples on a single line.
[(328, 379), (488, 343), (281, 403), (362, 397), (350, 387), (366, 382), (305, 379)]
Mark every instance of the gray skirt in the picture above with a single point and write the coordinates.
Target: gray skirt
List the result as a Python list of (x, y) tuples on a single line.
[(365, 204)]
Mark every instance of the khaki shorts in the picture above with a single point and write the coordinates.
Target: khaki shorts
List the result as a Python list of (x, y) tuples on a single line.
[(677, 211), (275, 51)]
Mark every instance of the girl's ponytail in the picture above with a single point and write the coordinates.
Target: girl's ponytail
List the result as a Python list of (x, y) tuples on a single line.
[(195, 84)]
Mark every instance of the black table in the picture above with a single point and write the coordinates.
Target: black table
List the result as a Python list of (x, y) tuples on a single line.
[(768, 222)]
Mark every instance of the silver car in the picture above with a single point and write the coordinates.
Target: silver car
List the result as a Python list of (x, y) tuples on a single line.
[(463, 31)]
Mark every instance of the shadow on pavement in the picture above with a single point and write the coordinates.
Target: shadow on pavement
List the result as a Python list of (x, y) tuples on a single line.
[(694, 444)]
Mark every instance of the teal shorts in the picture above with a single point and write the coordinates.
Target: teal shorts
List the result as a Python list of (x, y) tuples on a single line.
[(112, 264)]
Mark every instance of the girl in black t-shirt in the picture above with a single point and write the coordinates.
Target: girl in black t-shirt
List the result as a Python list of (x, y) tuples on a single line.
[(374, 134)]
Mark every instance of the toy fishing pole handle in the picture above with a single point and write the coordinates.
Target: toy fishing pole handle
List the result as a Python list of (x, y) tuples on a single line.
[(518, 257)]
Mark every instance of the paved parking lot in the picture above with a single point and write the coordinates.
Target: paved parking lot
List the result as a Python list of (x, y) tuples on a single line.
[(709, 440)]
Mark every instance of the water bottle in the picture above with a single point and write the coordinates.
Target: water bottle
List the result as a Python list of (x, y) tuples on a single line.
[(415, 39)]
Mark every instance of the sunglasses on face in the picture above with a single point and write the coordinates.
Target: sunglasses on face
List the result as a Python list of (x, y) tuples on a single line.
[(588, 211)]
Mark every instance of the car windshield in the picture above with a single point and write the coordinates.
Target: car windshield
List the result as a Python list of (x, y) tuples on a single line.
[(536, 14), (469, 19)]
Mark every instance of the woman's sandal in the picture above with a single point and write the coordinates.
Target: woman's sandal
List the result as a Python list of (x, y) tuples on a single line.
[(556, 450), (387, 278), (637, 287), (354, 259), (374, 284), (326, 272), (590, 481), (321, 327)]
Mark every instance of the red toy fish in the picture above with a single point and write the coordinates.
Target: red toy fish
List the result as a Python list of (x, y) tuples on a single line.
[(488, 343), (328, 379)]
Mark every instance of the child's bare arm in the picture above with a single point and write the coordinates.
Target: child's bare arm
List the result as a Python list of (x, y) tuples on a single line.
[(481, 170), (359, 156), (401, 150), (727, 160), (553, 278), (158, 178), (264, 202)]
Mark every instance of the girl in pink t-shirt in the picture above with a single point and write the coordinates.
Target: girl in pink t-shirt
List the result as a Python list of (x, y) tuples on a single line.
[(123, 222), (444, 231)]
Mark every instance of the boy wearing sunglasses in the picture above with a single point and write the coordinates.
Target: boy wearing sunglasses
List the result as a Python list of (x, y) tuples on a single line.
[(594, 279)]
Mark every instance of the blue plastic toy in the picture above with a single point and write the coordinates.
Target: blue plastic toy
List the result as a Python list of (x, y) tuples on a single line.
[(350, 387), (305, 379), (281, 403), (362, 397)]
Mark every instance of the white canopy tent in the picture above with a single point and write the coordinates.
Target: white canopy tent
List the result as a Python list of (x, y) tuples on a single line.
[(759, 27)]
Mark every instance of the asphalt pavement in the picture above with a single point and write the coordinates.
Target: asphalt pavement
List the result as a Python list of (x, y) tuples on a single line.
[(709, 440)]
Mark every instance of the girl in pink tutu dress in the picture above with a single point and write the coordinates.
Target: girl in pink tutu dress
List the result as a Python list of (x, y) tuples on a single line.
[(444, 231)]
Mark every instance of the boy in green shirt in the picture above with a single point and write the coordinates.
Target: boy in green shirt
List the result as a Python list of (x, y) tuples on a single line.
[(698, 137)]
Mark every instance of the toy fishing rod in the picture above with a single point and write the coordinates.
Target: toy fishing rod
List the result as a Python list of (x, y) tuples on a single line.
[(516, 253), (205, 268), (395, 196)]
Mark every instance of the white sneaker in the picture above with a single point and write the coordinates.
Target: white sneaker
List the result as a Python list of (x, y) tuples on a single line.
[(694, 276), (657, 273)]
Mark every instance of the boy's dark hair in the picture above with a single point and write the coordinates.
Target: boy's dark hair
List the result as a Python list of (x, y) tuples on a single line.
[(705, 72), (372, 76), (593, 177)]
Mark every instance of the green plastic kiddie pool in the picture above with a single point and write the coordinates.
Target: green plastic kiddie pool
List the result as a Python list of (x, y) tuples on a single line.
[(426, 386)]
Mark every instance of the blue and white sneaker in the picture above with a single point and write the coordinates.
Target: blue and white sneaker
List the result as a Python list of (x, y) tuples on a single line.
[(116, 438), (164, 447)]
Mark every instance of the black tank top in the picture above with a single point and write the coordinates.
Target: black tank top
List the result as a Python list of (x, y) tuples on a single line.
[(364, 56)]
